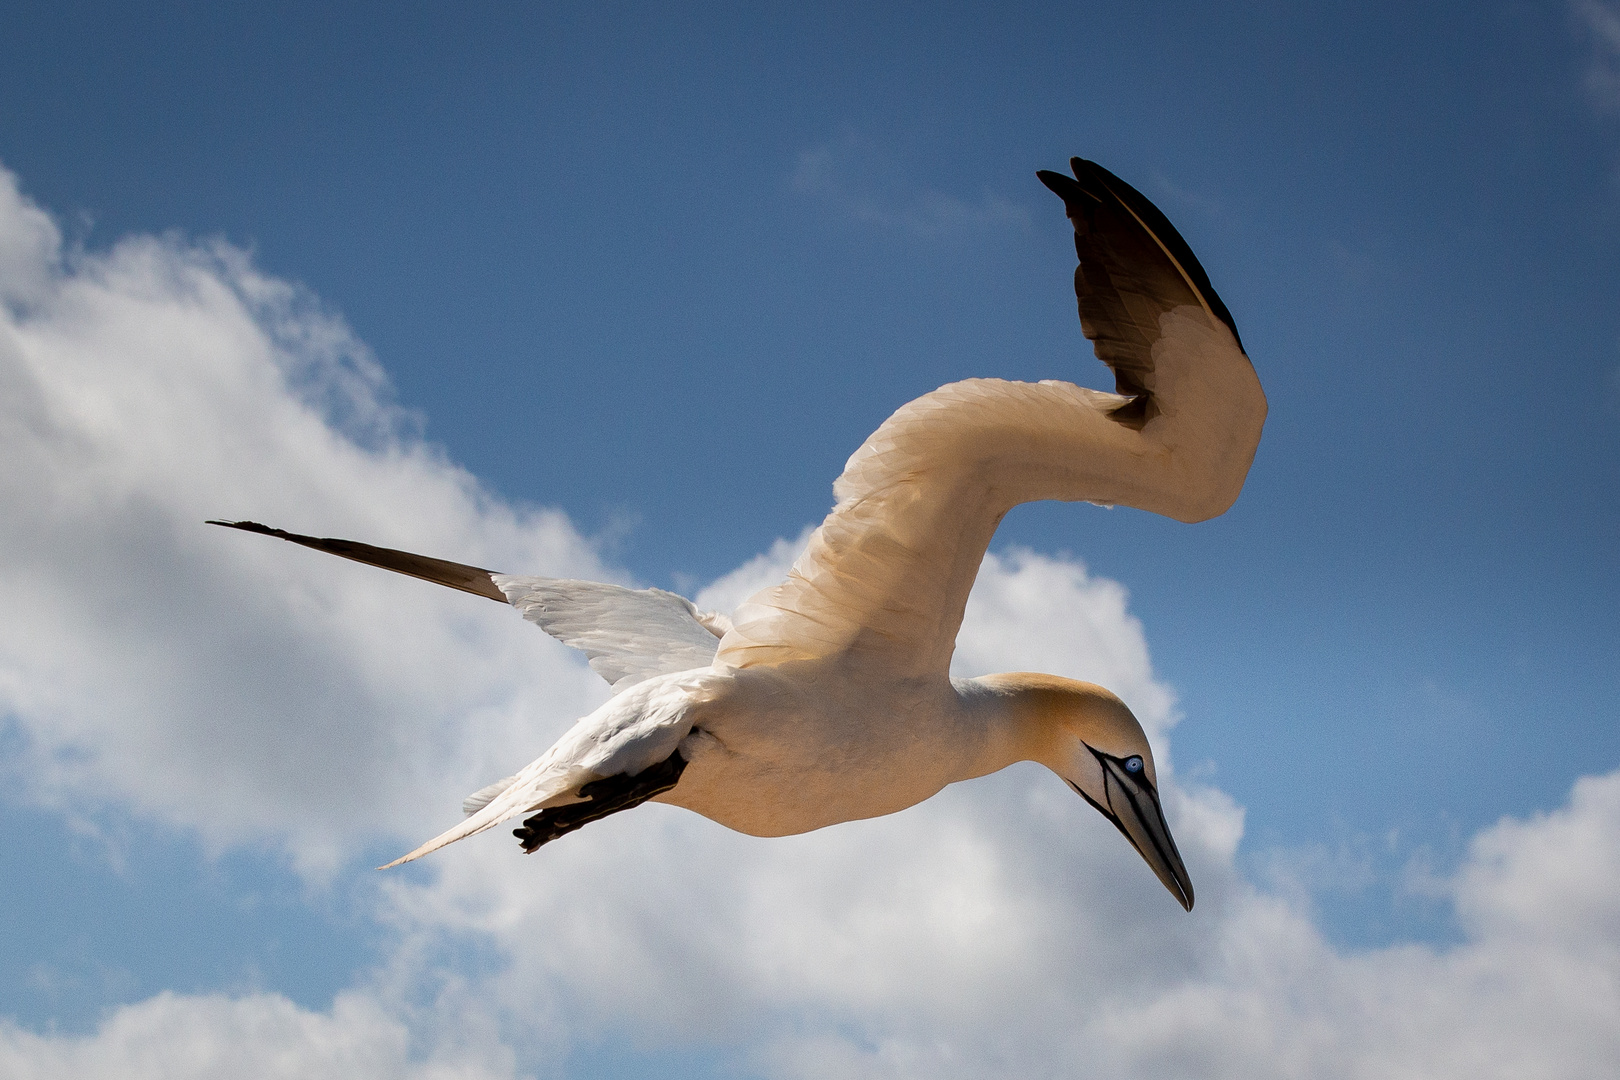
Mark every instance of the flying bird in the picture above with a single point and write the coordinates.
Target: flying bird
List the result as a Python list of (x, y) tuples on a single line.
[(828, 697)]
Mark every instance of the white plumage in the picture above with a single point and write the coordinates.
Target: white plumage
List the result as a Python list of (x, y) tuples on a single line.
[(627, 635), (828, 697)]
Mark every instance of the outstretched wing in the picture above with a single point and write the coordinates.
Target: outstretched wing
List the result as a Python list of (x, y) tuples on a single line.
[(626, 634), (886, 577), (473, 579)]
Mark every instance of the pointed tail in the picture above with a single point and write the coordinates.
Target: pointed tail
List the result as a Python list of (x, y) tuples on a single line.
[(519, 798)]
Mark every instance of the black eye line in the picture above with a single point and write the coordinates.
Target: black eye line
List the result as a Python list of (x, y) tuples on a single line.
[(1106, 811), (1141, 774), (1146, 786), (1130, 796)]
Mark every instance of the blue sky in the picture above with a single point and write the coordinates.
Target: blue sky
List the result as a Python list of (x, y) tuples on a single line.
[(615, 289)]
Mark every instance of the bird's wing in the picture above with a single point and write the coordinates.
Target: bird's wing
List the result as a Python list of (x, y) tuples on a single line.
[(627, 634), (473, 579), (886, 577)]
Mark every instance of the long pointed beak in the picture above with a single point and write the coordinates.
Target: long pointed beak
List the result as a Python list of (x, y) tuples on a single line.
[(1133, 806)]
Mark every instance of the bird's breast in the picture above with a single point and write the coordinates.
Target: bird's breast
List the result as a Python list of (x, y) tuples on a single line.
[(788, 753)]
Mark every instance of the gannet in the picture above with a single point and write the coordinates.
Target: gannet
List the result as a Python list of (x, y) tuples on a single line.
[(828, 698)]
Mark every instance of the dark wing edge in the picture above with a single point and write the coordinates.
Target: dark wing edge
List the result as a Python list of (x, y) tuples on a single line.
[(1134, 267), (471, 579)]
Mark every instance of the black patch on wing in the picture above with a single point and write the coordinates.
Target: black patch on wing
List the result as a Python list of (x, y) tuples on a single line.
[(473, 579), (602, 797), (1134, 267)]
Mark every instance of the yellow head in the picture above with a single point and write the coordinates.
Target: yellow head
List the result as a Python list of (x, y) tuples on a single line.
[(1088, 737)]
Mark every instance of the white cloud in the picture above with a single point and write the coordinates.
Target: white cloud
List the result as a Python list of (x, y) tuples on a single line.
[(943, 944), (211, 1037), (224, 682), (1531, 993), (252, 691)]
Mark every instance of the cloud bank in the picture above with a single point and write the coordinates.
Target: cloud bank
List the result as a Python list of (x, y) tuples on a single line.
[(202, 677), (267, 699)]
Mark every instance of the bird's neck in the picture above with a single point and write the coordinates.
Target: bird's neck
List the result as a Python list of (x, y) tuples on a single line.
[(1023, 716)]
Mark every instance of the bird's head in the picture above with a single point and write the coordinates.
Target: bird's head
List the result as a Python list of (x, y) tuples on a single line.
[(1090, 738)]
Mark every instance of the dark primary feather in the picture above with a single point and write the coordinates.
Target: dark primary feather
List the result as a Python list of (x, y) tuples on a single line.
[(1134, 267), (471, 579), (626, 634)]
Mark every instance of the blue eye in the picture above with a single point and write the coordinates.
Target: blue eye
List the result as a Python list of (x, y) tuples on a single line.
[(1133, 764)]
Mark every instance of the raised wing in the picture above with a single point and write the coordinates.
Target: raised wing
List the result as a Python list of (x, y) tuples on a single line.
[(886, 577), (1134, 267), (627, 635)]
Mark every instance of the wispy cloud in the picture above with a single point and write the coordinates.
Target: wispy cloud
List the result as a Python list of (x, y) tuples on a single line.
[(1602, 20), (853, 178)]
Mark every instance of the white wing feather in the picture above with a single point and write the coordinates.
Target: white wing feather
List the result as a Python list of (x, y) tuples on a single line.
[(485, 795), (627, 635)]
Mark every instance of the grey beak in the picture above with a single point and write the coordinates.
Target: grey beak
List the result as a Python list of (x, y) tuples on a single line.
[(1132, 805)]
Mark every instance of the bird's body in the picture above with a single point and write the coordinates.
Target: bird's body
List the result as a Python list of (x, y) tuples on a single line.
[(851, 755), (779, 753), (773, 753), (828, 698)]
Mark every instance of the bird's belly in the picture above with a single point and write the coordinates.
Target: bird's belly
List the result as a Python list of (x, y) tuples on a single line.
[(761, 782), (761, 799)]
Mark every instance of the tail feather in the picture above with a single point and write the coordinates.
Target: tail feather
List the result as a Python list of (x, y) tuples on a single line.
[(518, 798), (481, 798)]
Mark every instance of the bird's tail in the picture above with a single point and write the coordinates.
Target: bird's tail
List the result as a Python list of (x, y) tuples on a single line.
[(521, 796)]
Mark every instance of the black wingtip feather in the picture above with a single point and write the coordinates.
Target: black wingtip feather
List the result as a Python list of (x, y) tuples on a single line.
[(1093, 180), (1064, 187), (247, 526), (470, 579)]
